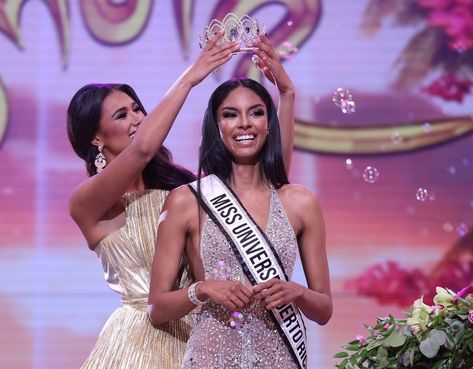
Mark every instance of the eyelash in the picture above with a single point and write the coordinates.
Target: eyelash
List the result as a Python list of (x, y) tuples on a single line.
[(257, 113), (123, 116), (229, 115)]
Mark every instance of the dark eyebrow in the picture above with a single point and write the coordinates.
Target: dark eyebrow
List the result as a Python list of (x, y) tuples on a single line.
[(123, 109), (250, 108)]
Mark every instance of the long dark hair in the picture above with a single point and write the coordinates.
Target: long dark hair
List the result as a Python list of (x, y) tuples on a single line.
[(83, 121), (214, 158)]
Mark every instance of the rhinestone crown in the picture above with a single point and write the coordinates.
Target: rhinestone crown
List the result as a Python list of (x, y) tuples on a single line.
[(245, 30)]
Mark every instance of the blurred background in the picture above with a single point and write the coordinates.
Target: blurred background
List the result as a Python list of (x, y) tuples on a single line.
[(384, 137)]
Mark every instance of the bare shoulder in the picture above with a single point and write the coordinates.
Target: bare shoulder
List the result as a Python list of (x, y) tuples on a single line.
[(179, 198), (302, 206), (180, 213), (298, 197), (181, 203)]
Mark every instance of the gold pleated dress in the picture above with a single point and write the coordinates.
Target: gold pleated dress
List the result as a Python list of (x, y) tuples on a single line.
[(128, 339)]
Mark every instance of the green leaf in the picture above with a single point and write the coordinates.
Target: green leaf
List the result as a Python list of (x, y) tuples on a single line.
[(395, 339), (439, 364), (343, 364), (363, 355), (340, 355), (382, 357), (449, 343), (374, 344), (352, 347), (438, 336), (431, 345)]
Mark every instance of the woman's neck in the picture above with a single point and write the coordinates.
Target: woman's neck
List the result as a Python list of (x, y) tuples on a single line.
[(246, 177)]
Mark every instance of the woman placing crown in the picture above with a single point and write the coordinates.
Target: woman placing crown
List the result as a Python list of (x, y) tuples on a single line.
[(241, 226), (118, 206)]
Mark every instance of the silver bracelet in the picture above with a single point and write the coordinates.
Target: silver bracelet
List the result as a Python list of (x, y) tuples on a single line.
[(192, 295)]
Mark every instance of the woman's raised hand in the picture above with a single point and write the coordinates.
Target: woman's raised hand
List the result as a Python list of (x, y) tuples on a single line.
[(212, 56), (270, 63), (231, 294)]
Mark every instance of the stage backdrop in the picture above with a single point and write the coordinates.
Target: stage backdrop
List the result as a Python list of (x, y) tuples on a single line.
[(392, 163)]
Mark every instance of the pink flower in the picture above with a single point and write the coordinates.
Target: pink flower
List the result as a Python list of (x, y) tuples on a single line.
[(389, 283), (361, 339), (468, 290), (434, 4), (455, 17), (449, 87)]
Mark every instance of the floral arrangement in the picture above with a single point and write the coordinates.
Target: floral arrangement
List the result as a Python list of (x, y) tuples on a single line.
[(438, 336), (390, 283), (442, 44)]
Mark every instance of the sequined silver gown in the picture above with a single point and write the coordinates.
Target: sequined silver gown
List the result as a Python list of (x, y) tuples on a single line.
[(240, 339)]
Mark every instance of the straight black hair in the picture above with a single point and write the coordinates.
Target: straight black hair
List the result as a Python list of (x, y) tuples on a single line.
[(214, 158)]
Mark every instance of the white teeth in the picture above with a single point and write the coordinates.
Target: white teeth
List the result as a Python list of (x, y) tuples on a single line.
[(244, 137)]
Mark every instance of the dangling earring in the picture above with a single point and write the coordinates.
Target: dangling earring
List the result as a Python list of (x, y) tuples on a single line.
[(100, 160)]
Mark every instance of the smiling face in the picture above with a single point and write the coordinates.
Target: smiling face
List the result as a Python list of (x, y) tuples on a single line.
[(120, 117), (243, 124)]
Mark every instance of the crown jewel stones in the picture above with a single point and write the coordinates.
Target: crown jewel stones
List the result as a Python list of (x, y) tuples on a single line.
[(245, 30)]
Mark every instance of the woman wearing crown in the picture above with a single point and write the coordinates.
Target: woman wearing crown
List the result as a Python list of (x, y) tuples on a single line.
[(241, 226), (118, 207)]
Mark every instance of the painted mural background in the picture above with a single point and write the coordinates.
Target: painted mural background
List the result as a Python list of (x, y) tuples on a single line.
[(392, 234)]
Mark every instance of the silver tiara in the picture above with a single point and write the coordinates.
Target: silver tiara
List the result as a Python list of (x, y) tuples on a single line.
[(245, 30)]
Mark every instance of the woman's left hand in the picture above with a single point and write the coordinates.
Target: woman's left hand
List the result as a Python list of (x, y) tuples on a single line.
[(276, 292), (270, 64)]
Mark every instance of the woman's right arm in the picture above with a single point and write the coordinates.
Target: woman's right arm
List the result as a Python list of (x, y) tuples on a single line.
[(178, 227), (95, 196), (271, 66)]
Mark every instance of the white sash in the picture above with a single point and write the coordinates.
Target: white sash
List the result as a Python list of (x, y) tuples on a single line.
[(256, 254)]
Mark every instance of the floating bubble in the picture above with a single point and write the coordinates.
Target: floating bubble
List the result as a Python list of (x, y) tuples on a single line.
[(222, 270), (451, 169), (459, 46), (465, 162), (370, 174), (426, 127), (236, 320), (422, 194), (396, 138), (348, 164), (462, 229), (255, 58), (411, 210), (290, 23), (7, 191), (432, 196), (447, 227), (287, 50), (344, 100)]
